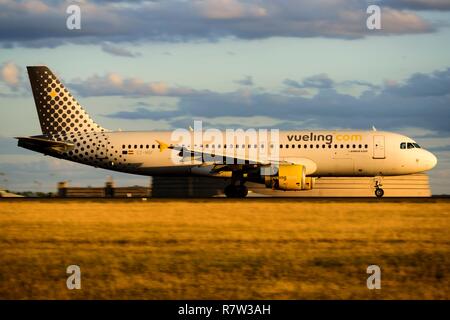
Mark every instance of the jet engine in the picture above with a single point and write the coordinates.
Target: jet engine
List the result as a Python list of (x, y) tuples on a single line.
[(289, 177)]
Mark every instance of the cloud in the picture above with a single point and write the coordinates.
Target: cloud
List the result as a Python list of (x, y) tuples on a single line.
[(419, 84), (229, 9), (174, 20), (319, 81), (11, 75), (143, 113), (114, 84), (402, 22), (246, 81), (383, 106), (441, 5), (118, 51)]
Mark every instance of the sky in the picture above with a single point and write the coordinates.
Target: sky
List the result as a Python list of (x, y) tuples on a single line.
[(160, 65)]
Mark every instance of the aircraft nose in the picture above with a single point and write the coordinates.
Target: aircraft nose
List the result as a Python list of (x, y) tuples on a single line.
[(430, 161)]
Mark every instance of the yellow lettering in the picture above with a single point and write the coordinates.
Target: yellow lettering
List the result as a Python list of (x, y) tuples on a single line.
[(347, 137)]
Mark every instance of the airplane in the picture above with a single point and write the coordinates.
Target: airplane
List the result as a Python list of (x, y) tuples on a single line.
[(292, 160)]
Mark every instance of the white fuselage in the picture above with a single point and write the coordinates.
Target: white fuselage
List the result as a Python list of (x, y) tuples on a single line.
[(325, 153)]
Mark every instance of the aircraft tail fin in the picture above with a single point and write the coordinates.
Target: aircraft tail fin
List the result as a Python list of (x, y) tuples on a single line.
[(58, 111)]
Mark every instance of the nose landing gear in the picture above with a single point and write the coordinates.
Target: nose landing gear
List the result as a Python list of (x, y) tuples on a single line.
[(378, 191)]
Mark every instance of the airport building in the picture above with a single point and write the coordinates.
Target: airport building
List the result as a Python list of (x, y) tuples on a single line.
[(108, 191)]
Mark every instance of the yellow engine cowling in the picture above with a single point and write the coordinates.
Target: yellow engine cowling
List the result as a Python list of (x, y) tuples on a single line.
[(289, 177)]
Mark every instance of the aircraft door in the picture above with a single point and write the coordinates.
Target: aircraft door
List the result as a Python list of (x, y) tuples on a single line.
[(378, 147)]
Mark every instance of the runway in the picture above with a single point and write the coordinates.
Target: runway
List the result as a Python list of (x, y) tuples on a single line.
[(260, 248)]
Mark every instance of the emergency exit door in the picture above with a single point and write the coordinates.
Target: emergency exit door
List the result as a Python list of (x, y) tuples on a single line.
[(378, 147)]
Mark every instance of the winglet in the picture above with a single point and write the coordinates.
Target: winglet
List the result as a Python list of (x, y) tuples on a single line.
[(162, 146)]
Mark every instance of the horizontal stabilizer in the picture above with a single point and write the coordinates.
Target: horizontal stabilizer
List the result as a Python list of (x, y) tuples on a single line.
[(42, 144)]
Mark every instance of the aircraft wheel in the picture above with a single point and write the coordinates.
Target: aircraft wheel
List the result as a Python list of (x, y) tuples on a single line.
[(230, 191), (379, 192), (241, 191)]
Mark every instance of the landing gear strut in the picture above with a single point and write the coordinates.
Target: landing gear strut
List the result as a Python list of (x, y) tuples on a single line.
[(378, 191)]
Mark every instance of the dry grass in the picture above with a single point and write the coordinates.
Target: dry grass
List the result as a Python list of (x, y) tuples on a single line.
[(215, 249)]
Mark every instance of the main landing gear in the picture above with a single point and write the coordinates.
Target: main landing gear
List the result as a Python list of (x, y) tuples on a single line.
[(378, 191), (236, 190)]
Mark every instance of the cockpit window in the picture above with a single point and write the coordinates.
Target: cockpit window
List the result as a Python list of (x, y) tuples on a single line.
[(409, 145)]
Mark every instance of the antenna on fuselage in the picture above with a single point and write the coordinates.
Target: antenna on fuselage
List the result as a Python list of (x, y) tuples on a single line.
[(373, 128)]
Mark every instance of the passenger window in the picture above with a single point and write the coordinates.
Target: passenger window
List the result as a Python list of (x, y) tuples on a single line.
[(403, 145), (410, 145)]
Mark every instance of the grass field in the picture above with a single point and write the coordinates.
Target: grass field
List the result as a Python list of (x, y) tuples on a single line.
[(222, 249)]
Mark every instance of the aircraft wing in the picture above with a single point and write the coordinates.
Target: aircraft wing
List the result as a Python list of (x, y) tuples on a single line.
[(42, 144), (237, 158)]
